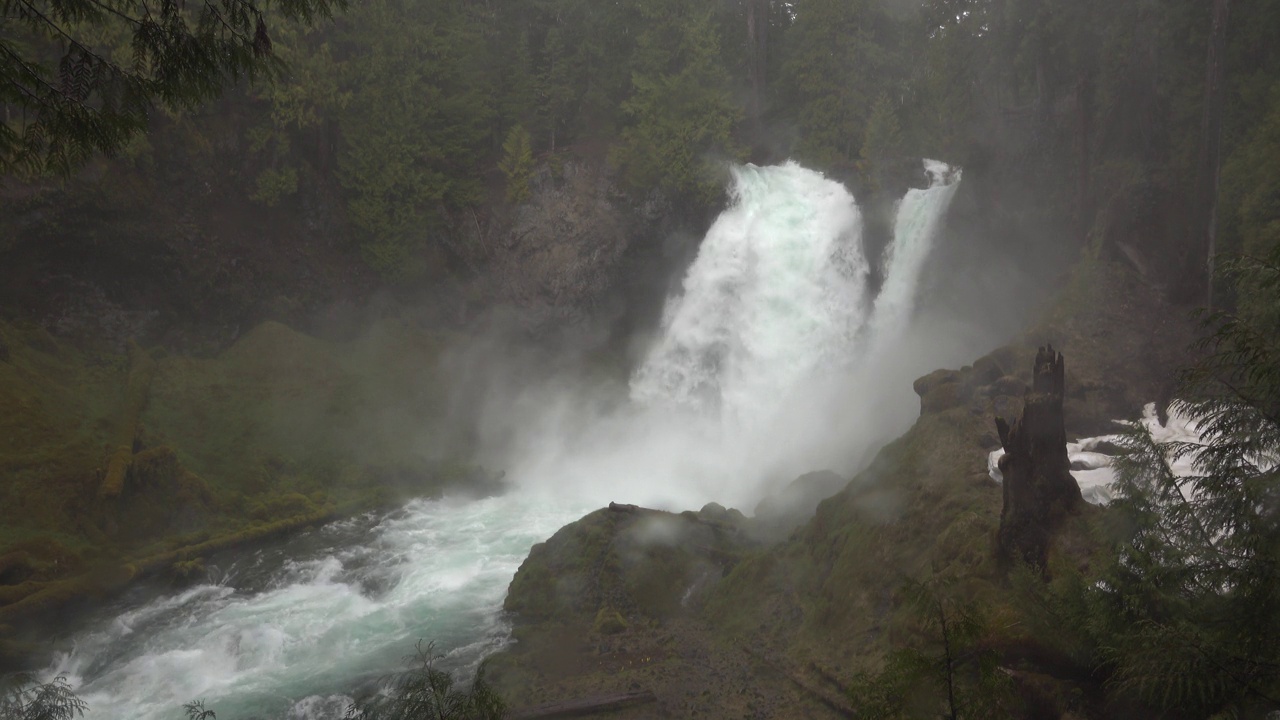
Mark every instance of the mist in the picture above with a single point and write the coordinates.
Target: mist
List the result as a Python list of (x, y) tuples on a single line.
[(774, 357)]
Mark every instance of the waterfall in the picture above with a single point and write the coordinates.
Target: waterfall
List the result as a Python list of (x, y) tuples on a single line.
[(773, 360), (775, 293), (915, 228)]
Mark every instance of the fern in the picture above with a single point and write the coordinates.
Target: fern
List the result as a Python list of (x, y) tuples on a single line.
[(425, 691), (22, 698), (1192, 598)]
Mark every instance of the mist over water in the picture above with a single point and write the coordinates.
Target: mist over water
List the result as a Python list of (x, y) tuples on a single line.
[(774, 359)]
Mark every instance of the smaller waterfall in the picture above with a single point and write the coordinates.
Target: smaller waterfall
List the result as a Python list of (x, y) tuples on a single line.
[(915, 229)]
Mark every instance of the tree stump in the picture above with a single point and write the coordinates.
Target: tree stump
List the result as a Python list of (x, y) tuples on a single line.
[(1039, 490)]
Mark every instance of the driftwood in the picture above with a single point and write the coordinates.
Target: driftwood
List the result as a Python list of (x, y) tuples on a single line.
[(1039, 490), (585, 706)]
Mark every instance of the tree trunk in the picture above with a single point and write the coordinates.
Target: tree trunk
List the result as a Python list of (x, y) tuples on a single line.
[(1084, 114), (1198, 266), (757, 55), (1039, 490)]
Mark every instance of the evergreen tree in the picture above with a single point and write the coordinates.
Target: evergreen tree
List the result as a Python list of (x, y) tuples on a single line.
[(681, 113), (835, 66), (1192, 602), (413, 132), (555, 83), (882, 142), (23, 698), (66, 96), (517, 164)]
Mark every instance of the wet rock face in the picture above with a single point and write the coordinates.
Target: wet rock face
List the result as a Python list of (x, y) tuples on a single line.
[(1038, 488), (781, 512), (971, 386), (565, 246)]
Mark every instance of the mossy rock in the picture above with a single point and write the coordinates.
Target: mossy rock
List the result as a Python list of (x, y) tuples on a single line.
[(609, 622), (188, 570), (943, 397), (651, 563), (922, 386)]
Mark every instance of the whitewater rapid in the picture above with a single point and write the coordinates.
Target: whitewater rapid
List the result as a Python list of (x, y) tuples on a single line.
[(290, 631), (773, 359)]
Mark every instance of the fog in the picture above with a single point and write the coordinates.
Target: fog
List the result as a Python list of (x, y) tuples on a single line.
[(774, 356)]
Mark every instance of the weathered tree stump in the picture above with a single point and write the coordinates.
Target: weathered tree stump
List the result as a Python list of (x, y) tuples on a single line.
[(1039, 490)]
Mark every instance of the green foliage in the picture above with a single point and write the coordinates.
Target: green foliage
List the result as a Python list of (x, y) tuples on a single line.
[(883, 141), (425, 691), (951, 675), (66, 97), (517, 163), (555, 84), (1251, 197), (416, 124), (23, 698), (836, 64), (196, 710), (681, 112), (1190, 609), (275, 184)]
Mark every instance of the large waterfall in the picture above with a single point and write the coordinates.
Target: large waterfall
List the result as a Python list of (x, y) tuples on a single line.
[(775, 294), (773, 359)]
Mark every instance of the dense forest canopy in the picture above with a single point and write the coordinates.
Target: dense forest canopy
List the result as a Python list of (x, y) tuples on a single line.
[(413, 116)]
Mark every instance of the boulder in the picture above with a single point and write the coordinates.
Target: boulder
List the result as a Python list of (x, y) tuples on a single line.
[(626, 559), (923, 386), (1008, 385)]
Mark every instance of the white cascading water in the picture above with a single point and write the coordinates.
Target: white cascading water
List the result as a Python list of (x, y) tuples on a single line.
[(915, 229), (287, 632), (775, 293), (739, 386)]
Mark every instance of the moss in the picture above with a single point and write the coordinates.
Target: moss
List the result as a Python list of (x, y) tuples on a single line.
[(279, 431), (609, 622), (187, 569), (141, 370)]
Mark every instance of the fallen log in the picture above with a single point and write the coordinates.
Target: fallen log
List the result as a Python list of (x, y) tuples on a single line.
[(585, 706)]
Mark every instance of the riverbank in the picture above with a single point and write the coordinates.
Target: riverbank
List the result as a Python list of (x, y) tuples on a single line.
[(119, 467)]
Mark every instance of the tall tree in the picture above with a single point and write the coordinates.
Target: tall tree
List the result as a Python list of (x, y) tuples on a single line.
[(1188, 615), (1209, 166), (415, 129), (835, 67), (66, 96), (681, 113)]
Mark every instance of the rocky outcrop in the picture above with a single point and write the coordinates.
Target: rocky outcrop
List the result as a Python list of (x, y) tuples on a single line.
[(1038, 488), (626, 563), (987, 383), (565, 246), (792, 506)]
